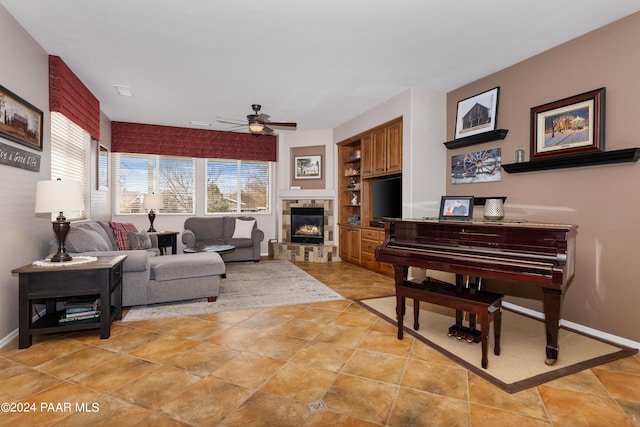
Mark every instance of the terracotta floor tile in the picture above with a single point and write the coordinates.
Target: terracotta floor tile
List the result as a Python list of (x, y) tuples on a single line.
[(388, 343), (286, 311), (129, 340), (299, 382), (198, 329), (248, 369), (207, 403), (304, 329), (264, 409), (422, 351), (264, 322), (342, 336), (376, 366), (322, 355), (9, 368), (24, 384), (112, 411), (353, 320), (238, 338), (203, 359), (335, 305), (416, 408), (317, 315), (231, 317), (632, 409), (444, 380), (629, 364), (113, 374), (77, 362), (585, 381), (156, 388), (281, 347), (483, 416), (361, 398), (568, 407), (328, 418), (620, 384), (43, 352), (526, 402), (164, 348)]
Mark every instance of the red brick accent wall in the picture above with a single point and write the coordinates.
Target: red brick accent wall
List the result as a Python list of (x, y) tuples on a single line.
[(69, 96), (187, 142)]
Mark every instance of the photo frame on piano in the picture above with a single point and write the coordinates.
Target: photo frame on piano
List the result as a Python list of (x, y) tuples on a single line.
[(456, 207)]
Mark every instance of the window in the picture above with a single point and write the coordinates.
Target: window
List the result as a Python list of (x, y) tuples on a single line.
[(70, 157), (237, 186), (139, 174)]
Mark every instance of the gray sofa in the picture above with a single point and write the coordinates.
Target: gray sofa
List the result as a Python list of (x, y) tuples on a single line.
[(239, 231), (149, 278)]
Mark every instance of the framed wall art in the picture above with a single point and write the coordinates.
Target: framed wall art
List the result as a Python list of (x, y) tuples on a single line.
[(20, 121), (308, 167), (477, 114), (568, 126), (456, 207), (103, 168)]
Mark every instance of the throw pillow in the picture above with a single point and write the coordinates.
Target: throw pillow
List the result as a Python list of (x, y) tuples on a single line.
[(139, 240), (243, 229), (120, 230), (82, 239)]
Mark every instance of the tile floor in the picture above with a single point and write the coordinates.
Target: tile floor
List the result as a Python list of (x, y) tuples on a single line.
[(321, 364)]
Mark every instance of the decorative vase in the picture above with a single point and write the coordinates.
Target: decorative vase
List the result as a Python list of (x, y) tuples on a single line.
[(493, 209)]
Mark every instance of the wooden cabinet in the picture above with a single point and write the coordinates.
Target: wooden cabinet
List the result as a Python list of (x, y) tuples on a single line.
[(364, 158)]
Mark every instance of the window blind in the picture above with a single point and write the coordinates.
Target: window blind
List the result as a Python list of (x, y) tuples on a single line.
[(70, 157), (237, 186)]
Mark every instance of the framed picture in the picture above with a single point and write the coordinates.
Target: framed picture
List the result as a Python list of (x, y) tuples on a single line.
[(20, 121), (308, 167), (456, 207), (568, 126), (103, 168), (477, 114)]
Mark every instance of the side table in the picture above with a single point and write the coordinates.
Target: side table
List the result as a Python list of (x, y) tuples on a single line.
[(47, 285), (167, 239)]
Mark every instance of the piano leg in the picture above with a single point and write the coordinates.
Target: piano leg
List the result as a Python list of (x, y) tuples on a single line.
[(552, 302), (400, 308)]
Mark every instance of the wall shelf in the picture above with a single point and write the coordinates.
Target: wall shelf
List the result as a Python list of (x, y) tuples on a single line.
[(493, 135), (586, 159)]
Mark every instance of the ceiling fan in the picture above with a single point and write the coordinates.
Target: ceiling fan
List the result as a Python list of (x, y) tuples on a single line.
[(258, 123)]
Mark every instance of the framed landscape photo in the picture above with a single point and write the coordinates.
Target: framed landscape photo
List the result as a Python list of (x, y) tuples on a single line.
[(308, 167), (456, 207), (20, 121), (568, 126), (477, 114)]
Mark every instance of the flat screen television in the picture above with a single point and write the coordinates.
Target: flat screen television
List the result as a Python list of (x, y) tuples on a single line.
[(386, 198)]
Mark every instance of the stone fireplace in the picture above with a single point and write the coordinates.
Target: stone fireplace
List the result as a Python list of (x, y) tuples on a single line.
[(295, 247)]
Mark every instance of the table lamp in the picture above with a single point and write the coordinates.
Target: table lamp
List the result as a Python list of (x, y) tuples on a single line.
[(57, 196), (152, 201)]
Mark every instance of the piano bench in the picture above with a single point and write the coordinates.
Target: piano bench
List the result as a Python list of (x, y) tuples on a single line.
[(481, 303)]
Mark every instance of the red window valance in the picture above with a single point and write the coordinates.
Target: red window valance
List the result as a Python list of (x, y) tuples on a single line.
[(187, 142), (69, 96)]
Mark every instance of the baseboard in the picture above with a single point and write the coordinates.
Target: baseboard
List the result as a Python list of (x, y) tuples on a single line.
[(575, 326)]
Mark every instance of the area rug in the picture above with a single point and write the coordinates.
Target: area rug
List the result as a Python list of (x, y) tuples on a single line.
[(520, 364), (247, 286)]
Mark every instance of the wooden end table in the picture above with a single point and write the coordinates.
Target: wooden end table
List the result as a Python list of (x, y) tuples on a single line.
[(47, 285), (167, 239)]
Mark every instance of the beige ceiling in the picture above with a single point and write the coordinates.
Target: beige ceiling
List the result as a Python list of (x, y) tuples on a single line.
[(319, 63)]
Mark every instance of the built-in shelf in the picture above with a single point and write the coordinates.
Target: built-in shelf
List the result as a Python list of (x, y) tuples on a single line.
[(585, 159), (493, 135)]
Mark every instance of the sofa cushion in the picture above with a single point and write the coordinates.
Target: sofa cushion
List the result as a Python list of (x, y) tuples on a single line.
[(120, 232), (243, 229), (240, 243), (172, 267), (84, 239), (109, 232), (139, 240), (209, 228)]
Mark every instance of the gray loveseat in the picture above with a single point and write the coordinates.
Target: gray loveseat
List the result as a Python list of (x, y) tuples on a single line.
[(239, 231), (149, 278)]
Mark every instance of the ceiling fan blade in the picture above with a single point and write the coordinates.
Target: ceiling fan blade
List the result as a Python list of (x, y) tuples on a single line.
[(231, 121), (267, 131), (282, 124), (262, 117)]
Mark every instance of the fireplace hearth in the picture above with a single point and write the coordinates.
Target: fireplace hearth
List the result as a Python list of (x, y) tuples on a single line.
[(307, 225)]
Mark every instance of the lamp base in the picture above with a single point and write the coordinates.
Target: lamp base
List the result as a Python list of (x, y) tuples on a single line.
[(152, 217), (60, 228)]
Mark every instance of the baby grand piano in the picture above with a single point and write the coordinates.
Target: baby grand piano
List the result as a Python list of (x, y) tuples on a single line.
[(523, 253)]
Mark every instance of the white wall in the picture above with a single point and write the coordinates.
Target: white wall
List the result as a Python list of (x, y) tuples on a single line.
[(24, 70)]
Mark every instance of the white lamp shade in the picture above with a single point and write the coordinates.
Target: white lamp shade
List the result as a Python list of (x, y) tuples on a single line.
[(58, 196), (152, 201)]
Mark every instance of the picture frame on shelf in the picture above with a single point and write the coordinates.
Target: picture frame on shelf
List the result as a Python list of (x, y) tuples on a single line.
[(20, 121), (569, 126), (102, 179), (456, 207), (308, 167), (477, 114)]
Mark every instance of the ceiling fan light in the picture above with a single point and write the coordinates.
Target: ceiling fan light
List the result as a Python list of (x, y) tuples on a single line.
[(256, 127)]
